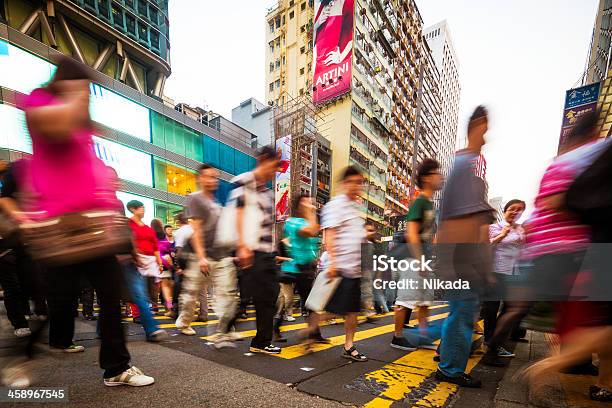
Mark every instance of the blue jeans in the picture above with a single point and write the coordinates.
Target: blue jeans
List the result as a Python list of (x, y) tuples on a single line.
[(456, 342), (138, 290)]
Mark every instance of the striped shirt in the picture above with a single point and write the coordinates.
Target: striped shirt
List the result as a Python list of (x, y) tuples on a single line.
[(506, 251), (343, 215), (265, 201), (552, 231)]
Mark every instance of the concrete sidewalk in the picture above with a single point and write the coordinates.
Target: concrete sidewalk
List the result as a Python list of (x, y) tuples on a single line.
[(181, 380), (559, 390)]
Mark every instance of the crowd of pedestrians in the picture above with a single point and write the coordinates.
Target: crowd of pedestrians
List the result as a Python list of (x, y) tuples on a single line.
[(232, 254)]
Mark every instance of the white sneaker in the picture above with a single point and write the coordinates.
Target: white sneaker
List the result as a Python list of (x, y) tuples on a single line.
[(23, 332), (132, 377), (16, 376), (188, 331), (234, 336), (289, 318)]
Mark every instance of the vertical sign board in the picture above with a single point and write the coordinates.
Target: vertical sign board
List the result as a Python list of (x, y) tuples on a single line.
[(578, 102), (333, 49), (283, 179)]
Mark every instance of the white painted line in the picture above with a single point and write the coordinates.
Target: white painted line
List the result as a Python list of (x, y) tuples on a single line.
[(307, 368), (248, 354)]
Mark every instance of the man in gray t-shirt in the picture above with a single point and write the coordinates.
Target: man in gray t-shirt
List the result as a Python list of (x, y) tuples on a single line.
[(209, 263)]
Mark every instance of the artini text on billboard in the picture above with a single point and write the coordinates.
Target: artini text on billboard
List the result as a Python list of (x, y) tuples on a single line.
[(333, 49)]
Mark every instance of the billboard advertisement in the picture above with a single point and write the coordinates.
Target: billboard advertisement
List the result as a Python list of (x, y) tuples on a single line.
[(578, 102), (283, 179), (333, 49), (129, 164), (119, 113), (22, 71), (14, 134)]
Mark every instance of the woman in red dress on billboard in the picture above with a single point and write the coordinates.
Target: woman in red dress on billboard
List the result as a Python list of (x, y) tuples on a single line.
[(333, 45)]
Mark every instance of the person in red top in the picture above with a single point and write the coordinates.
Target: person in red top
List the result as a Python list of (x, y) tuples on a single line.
[(147, 248)]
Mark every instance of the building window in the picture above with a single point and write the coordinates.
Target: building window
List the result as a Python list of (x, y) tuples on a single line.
[(303, 6), (278, 41), (291, 15), (277, 83), (271, 25), (284, 61), (131, 25), (271, 47), (301, 71), (302, 50), (142, 8), (309, 66), (153, 15), (291, 3), (271, 67), (278, 22), (277, 63), (301, 92), (129, 3), (118, 18), (271, 85), (302, 28)]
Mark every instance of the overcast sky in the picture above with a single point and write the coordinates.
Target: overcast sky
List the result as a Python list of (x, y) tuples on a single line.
[(517, 57)]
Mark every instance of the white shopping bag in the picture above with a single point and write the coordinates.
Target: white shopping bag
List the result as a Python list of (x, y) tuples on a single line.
[(322, 291)]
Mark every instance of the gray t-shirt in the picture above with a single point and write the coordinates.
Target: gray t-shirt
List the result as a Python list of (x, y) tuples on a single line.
[(464, 193), (200, 207)]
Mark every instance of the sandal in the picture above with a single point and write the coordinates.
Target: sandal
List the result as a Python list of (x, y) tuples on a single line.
[(600, 394), (355, 357)]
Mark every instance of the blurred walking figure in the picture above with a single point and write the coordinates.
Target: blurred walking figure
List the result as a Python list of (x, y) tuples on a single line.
[(182, 237), (66, 177), (557, 239), (136, 283), (420, 234), (343, 234), (302, 230), (255, 245), (167, 253), (507, 238), (209, 263), (464, 228), (147, 249)]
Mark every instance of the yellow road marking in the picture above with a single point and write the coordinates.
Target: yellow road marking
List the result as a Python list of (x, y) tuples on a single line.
[(299, 350), (378, 403), (408, 373), (299, 326)]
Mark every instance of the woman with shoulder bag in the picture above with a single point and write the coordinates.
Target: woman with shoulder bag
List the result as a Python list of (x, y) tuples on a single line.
[(70, 189)]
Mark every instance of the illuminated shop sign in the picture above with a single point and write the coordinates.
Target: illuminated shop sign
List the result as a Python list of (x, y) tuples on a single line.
[(129, 164)]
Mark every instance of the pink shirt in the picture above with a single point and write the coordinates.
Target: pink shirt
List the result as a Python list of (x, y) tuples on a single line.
[(65, 176), (551, 231)]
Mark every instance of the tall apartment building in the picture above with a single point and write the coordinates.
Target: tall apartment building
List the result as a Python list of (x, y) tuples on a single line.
[(598, 61), (598, 64), (405, 102), (440, 42), (156, 149), (429, 108), (369, 117), (288, 50)]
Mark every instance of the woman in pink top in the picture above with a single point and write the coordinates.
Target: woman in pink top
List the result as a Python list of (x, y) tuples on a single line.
[(65, 176)]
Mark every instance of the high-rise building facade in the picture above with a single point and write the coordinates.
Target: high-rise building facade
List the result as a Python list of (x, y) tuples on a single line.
[(429, 110), (598, 61), (364, 83), (288, 50), (405, 105), (156, 149), (440, 42), (598, 67)]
